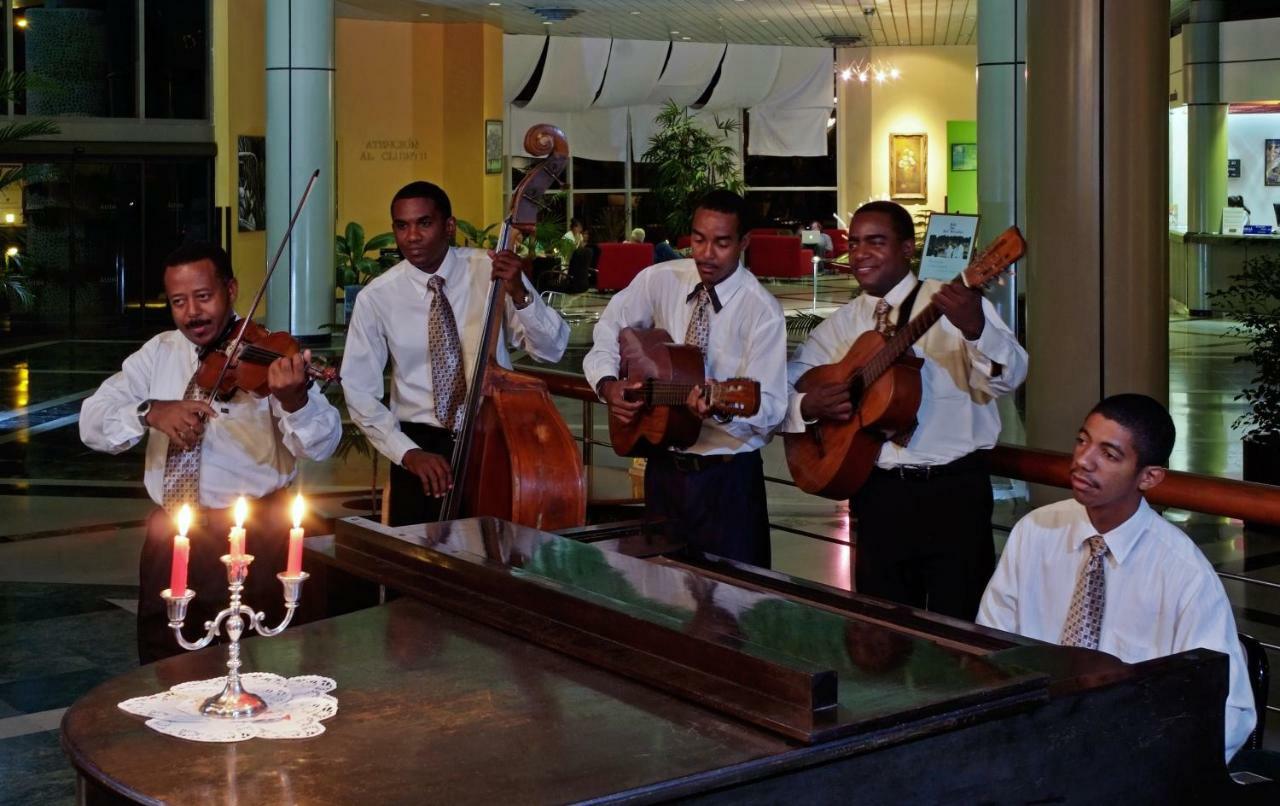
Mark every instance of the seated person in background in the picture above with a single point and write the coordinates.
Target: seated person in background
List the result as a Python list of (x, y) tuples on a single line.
[(824, 248), (1105, 571), (575, 232), (636, 235), (664, 251)]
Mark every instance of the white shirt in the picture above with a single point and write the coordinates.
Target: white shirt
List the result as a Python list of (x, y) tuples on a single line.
[(958, 413), (1162, 595), (248, 450), (748, 340), (390, 320)]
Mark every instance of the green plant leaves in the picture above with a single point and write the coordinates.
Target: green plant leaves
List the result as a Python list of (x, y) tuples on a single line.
[(691, 160), (1253, 299)]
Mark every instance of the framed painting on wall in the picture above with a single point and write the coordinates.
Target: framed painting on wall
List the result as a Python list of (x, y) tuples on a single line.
[(1271, 163), (964, 156), (908, 166), (493, 146)]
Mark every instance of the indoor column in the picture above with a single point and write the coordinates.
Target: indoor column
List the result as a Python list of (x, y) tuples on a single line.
[(300, 139), (1097, 177), (1206, 142)]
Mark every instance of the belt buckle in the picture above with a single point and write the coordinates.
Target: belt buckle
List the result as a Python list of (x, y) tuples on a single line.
[(915, 472)]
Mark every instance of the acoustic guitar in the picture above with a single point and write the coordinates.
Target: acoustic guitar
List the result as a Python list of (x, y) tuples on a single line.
[(668, 372), (834, 459)]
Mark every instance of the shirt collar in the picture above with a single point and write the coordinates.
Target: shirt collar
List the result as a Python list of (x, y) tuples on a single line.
[(448, 271), (899, 292), (722, 291), (1120, 540)]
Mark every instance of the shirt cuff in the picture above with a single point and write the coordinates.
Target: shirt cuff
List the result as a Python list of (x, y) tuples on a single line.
[(398, 444), (990, 345), (794, 422)]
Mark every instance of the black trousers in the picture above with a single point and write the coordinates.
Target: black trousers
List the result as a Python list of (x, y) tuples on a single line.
[(719, 509), (927, 542), (267, 540), (409, 504)]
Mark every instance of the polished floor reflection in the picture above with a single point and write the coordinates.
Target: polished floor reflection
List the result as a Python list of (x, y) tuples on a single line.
[(70, 519)]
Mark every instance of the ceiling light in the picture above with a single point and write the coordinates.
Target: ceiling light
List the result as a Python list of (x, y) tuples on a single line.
[(9, 218), (634, 13), (846, 73), (495, 4), (21, 22), (424, 14), (675, 32), (686, 38)]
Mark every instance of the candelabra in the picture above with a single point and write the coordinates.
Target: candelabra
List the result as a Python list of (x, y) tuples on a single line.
[(233, 702)]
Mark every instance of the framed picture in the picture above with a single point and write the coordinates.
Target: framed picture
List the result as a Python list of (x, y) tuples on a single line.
[(948, 245), (251, 153), (493, 146), (908, 166), (1233, 169), (964, 156), (1271, 163)]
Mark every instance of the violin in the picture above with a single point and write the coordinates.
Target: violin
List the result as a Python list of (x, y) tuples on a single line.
[(241, 362), (255, 349)]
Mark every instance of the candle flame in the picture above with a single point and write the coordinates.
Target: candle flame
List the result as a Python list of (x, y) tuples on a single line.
[(184, 520), (299, 508), (242, 511)]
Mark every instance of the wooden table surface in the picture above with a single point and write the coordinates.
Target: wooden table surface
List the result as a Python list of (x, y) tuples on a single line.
[(431, 708)]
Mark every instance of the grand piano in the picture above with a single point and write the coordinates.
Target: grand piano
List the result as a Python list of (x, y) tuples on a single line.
[(601, 665)]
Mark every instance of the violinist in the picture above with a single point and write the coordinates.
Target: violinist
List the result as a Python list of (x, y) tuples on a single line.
[(426, 314), (204, 454), (924, 514)]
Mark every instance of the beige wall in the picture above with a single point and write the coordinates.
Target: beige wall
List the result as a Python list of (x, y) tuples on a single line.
[(239, 99), (937, 84), (410, 103)]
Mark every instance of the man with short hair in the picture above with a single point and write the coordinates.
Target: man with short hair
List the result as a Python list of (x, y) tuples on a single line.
[(636, 235), (207, 454), (712, 494), (924, 514), (1104, 571), (426, 314)]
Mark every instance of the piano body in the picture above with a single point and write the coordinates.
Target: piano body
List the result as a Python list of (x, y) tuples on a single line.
[(523, 666)]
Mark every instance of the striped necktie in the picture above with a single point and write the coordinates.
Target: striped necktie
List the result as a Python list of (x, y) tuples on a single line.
[(181, 483), (448, 386), (1084, 619)]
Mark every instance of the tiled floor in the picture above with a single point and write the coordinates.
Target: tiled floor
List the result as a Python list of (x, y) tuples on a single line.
[(70, 519)]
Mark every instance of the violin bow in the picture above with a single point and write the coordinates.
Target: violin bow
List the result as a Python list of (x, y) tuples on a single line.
[(262, 289)]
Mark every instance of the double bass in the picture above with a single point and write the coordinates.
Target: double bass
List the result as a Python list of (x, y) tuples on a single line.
[(514, 457), (834, 459)]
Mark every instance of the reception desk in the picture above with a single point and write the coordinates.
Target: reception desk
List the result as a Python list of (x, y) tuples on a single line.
[(1203, 262)]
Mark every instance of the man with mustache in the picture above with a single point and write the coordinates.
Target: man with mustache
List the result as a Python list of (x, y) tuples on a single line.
[(1104, 571), (205, 454), (924, 514), (426, 314), (711, 496)]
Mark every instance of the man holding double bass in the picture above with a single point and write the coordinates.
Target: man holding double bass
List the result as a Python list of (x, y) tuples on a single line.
[(924, 513), (426, 315), (712, 494)]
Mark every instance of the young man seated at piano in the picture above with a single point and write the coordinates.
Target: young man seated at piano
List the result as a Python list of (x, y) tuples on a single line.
[(426, 314), (711, 495), (1103, 570), (924, 513)]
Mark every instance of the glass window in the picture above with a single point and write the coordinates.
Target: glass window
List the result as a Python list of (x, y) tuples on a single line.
[(603, 214), (79, 57), (588, 174), (788, 209), (177, 60), (793, 171)]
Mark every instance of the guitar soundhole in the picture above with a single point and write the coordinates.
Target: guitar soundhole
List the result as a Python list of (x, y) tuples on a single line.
[(855, 391)]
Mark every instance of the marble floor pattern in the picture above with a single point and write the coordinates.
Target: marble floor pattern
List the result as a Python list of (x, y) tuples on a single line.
[(70, 519)]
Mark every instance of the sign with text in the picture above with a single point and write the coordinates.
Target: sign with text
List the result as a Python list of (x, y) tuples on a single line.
[(948, 245)]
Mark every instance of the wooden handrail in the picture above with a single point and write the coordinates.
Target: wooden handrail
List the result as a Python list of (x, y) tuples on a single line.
[(1211, 495)]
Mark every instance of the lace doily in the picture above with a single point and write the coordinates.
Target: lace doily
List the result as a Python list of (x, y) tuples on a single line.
[(295, 707)]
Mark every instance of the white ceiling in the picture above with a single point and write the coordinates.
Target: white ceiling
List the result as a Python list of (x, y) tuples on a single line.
[(764, 22)]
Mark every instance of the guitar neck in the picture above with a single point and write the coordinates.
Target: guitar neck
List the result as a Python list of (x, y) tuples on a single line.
[(898, 344), (664, 393)]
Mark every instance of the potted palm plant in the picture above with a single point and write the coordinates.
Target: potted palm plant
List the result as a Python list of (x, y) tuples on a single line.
[(691, 159), (1253, 299), (358, 261)]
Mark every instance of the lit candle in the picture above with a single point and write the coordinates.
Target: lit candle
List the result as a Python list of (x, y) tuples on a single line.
[(237, 532), (181, 553), (295, 539)]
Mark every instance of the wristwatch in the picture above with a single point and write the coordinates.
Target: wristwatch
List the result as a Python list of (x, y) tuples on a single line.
[(144, 408), (523, 300)]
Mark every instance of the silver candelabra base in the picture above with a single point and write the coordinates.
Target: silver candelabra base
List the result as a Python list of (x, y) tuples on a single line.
[(233, 702)]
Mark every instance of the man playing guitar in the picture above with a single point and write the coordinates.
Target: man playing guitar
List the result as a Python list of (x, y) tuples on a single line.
[(924, 514), (713, 495)]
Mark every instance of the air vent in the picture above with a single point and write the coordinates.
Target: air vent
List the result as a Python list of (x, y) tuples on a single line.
[(842, 40), (554, 14)]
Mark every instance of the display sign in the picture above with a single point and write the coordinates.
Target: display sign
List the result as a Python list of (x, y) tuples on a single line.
[(1233, 169), (948, 245), (1233, 220)]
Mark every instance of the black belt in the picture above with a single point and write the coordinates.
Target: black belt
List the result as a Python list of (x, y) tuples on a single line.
[(696, 463), (976, 461)]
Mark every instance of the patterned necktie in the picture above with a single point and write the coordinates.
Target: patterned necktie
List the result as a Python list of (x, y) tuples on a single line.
[(1084, 619), (445, 351), (882, 318), (699, 331), (181, 483)]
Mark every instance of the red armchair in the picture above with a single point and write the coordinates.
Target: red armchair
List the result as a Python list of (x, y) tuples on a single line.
[(778, 256), (839, 242), (620, 263), (684, 242)]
